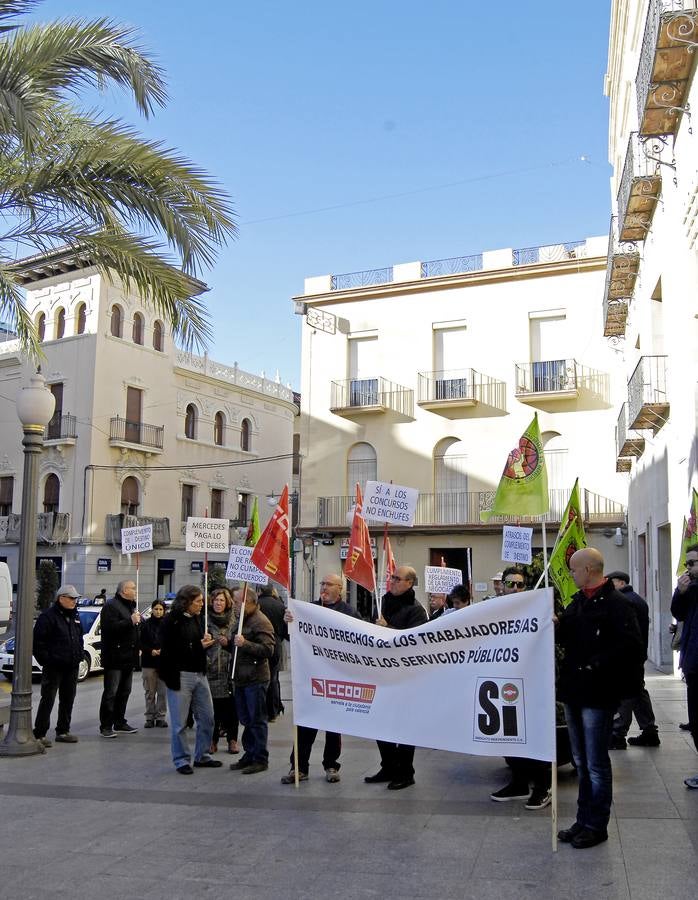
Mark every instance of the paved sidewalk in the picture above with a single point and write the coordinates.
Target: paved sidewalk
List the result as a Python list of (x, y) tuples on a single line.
[(111, 819)]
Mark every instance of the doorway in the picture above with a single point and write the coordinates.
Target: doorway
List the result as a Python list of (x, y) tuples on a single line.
[(452, 558)]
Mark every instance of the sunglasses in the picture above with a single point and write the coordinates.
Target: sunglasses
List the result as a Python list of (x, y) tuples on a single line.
[(516, 584)]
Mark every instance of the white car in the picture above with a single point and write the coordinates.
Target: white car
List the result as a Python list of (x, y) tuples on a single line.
[(91, 662)]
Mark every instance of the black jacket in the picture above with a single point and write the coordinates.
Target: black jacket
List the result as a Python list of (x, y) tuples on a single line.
[(403, 611), (119, 634), (58, 638), (684, 608), (603, 650), (274, 609), (642, 611), (339, 606), (252, 666), (182, 650), (151, 639)]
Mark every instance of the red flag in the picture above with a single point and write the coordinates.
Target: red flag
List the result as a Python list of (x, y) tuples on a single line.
[(359, 564), (389, 562), (271, 553)]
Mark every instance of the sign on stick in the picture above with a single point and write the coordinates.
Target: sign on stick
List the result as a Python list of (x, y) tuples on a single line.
[(137, 539), (241, 569), (441, 580), (516, 544), (390, 504), (207, 535)]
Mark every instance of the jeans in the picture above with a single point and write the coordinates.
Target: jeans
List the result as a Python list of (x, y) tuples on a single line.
[(251, 702), (155, 695), (396, 760), (117, 689), (194, 692), (64, 682), (306, 739), (590, 731), (641, 706)]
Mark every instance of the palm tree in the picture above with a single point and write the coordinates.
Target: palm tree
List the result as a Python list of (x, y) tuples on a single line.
[(77, 179)]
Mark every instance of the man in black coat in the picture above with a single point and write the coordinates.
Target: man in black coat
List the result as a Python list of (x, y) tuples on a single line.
[(684, 608), (641, 705), (273, 608), (602, 664), (119, 621), (58, 648), (400, 610)]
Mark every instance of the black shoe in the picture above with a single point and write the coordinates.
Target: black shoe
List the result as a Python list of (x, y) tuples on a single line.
[(149, 725), (240, 764), (647, 738), (381, 777), (511, 791), (567, 834), (185, 769), (400, 783), (125, 728), (588, 837), (255, 767), (207, 764), (107, 732), (161, 723), (539, 799), (685, 726), (66, 738), (617, 743)]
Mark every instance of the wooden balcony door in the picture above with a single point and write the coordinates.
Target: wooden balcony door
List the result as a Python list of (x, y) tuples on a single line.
[(134, 412)]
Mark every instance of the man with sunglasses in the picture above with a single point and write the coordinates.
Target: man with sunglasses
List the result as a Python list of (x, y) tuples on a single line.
[(513, 579), (684, 608)]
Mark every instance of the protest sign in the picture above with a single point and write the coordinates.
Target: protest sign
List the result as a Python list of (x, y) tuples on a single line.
[(137, 539), (516, 544), (440, 580), (391, 504), (207, 535), (480, 680), (241, 569)]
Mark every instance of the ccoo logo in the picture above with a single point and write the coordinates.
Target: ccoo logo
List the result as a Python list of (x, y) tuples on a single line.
[(343, 690), (500, 712)]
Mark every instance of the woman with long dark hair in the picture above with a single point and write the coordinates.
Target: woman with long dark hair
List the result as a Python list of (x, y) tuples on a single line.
[(221, 627)]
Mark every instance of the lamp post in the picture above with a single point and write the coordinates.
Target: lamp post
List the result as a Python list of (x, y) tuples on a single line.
[(35, 406)]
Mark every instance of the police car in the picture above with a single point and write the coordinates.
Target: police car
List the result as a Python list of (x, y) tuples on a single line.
[(91, 661)]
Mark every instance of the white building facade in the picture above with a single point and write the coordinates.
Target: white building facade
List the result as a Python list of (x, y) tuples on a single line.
[(143, 432), (426, 374), (649, 300)]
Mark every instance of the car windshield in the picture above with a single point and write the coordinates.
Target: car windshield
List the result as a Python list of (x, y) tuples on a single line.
[(87, 618)]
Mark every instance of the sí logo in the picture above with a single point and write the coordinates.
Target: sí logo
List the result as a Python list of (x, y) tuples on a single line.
[(343, 690), (500, 711)]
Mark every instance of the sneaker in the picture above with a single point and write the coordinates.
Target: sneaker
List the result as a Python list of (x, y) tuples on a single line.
[(125, 728), (691, 782), (207, 764), (512, 791), (107, 732), (566, 834), (332, 775), (255, 767), (618, 742), (149, 725), (66, 738), (45, 742), (539, 799), (588, 837), (161, 723), (291, 777), (647, 738)]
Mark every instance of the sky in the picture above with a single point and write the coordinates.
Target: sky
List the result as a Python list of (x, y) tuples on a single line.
[(356, 135)]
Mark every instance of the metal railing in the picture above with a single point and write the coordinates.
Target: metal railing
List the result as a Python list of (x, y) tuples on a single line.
[(358, 393), (647, 386), (61, 427), (117, 521), (623, 258), (460, 384), (51, 528), (546, 377), (528, 256), (136, 433), (642, 161), (627, 444), (367, 278), (204, 365), (455, 265)]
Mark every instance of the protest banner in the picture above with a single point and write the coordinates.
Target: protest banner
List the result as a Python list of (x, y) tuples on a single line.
[(441, 580), (480, 680), (392, 504), (516, 544), (241, 569), (137, 539), (207, 535)]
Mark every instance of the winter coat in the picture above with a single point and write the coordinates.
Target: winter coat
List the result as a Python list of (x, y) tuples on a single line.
[(58, 638), (273, 608), (253, 657), (403, 611), (120, 637), (684, 608), (151, 639), (218, 658), (642, 610), (182, 650)]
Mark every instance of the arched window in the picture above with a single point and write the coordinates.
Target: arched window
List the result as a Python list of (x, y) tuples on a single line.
[(137, 328), (52, 494), (246, 435), (158, 336), (362, 466), (219, 429), (117, 318), (41, 327), (190, 419), (81, 319), (130, 490), (450, 482), (60, 323)]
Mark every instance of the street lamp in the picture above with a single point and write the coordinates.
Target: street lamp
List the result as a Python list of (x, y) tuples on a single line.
[(35, 406)]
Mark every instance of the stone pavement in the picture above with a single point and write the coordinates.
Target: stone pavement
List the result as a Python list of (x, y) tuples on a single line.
[(111, 819)]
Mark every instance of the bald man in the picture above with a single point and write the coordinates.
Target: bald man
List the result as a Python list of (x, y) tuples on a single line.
[(602, 665)]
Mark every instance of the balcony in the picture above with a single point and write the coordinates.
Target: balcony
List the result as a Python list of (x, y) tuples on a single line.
[(356, 396), (627, 444), (449, 392), (463, 508), (640, 187), (556, 380), (61, 430), (367, 278), (621, 275), (532, 256), (135, 435), (114, 524), (665, 69), (51, 528), (648, 403)]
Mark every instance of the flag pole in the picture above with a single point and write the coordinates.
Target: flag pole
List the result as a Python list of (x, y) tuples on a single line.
[(239, 631), (296, 770), (545, 557), (138, 571)]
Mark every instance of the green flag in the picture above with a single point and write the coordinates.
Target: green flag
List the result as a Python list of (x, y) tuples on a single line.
[(572, 540), (253, 531), (523, 488), (689, 535), (573, 511)]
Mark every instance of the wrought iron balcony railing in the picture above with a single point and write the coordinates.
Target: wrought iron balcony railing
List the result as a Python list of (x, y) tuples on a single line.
[(124, 431), (51, 528), (114, 524), (61, 427), (464, 386), (367, 278), (648, 401), (456, 265), (621, 275), (640, 186), (529, 256), (627, 444), (371, 394)]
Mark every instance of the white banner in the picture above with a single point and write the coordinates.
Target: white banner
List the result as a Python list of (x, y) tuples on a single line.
[(241, 569), (393, 504), (207, 535), (137, 539), (440, 579), (480, 680), (516, 544)]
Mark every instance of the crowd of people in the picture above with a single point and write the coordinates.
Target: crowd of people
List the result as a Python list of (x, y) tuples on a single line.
[(218, 672)]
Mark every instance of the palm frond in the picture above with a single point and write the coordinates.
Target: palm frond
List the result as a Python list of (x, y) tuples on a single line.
[(13, 311), (10, 9)]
